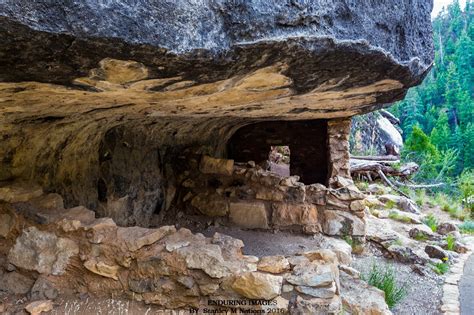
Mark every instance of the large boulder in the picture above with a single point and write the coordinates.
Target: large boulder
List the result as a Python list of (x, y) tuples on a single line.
[(15, 283), (377, 134), (435, 251), (399, 33)]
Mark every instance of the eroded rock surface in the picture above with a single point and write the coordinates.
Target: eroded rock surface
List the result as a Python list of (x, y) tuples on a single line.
[(80, 80), (42, 251)]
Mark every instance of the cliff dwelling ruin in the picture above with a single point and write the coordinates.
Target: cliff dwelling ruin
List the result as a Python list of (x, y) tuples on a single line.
[(114, 129)]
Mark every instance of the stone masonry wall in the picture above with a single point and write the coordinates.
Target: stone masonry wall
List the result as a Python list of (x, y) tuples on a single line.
[(245, 195), (68, 252), (338, 143), (250, 197)]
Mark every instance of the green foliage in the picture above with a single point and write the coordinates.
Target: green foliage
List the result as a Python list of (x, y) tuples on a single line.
[(466, 186), (467, 227), (385, 280), (396, 166), (348, 240), (397, 242), (420, 237), (440, 135), (440, 268), (437, 117), (431, 221), (398, 217), (434, 164), (390, 204), (451, 242), (453, 207), (362, 185), (420, 197)]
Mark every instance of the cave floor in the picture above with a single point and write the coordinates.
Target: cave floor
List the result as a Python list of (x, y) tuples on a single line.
[(268, 243)]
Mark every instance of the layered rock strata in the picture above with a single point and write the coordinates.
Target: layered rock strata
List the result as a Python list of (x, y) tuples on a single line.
[(100, 102)]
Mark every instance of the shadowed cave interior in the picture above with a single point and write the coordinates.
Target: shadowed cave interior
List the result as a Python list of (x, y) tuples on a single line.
[(307, 141)]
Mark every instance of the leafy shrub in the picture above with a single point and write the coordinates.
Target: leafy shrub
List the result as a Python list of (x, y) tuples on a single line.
[(451, 242), (431, 221), (467, 227), (454, 209), (362, 185), (397, 166), (348, 240), (440, 268), (466, 186), (385, 280)]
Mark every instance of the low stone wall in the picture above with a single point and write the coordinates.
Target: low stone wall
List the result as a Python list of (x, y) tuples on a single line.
[(247, 196), (51, 251)]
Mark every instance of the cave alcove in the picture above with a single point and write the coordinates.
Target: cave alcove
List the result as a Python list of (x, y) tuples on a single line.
[(306, 139)]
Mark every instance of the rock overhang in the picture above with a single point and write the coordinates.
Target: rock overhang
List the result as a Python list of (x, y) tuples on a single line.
[(320, 46), (71, 75)]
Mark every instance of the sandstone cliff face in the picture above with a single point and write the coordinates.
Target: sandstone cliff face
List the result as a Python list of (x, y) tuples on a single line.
[(102, 100)]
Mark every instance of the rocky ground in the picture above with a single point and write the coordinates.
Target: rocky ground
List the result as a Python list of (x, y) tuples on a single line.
[(424, 292), (396, 238)]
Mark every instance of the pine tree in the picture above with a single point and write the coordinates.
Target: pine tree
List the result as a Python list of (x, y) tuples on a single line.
[(443, 105), (440, 135), (468, 142)]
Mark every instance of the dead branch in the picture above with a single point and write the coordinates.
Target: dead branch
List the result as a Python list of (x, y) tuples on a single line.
[(389, 183), (418, 186), (379, 158)]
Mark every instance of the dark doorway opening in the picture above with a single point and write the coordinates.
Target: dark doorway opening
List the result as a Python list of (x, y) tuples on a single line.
[(306, 140)]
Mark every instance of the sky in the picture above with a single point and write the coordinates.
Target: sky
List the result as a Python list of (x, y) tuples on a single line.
[(439, 4)]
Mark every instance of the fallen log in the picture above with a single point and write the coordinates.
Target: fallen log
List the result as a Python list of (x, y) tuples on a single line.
[(379, 158), (372, 167), (418, 186)]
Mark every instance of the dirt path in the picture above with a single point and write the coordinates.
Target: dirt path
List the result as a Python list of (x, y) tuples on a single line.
[(466, 288)]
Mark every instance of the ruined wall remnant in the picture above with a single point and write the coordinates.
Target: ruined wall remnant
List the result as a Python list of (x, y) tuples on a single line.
[(252, 198), (307, 141), (338, 142), (70, 252)]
